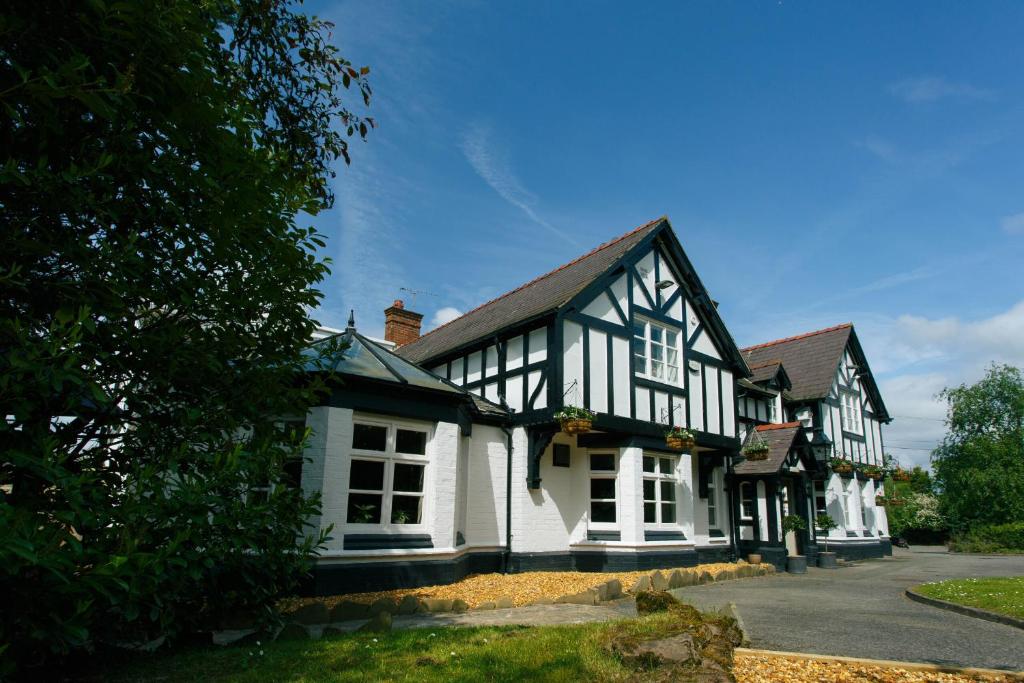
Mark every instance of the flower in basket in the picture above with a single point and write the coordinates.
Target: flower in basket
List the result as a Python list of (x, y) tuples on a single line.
[(680, 439), (872, 471), (575, 420), (841, 465), (901, 474), (756, 450)]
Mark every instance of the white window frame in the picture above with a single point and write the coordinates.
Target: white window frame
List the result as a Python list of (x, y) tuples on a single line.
[(753, 499), (851, 412), (772, 412), (712, 500), (612, 474), (659, 477), (816, 488), (649, 343), (390, 456)]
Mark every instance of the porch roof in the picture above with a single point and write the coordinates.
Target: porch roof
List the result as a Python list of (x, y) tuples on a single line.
[(780, 439)]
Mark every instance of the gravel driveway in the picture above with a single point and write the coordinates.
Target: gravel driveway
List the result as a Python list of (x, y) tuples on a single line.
[(859, 610)]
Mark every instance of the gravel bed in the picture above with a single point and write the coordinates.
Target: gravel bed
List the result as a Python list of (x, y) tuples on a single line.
[(767, 669)]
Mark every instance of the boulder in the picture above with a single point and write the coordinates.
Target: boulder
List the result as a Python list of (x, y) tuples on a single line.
[(649, 602), (409, 605), (659, 581), (504, 602), (680, 648), (726, 575), (311, 614), (613, 590), (379, 623), (460, 606), (640, 585), (293, 631), (705, 577), (587, 597), (681, 578), (346, 610), (438, 605), (383, 605)]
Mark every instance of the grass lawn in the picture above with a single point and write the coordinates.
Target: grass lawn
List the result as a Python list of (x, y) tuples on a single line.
[(1003, 594), (553, 653)]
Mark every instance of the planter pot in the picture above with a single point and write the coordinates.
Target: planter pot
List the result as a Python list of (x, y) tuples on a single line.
[(827, 560), (754, 558), (842, 469), (678, 443), (796, 564), (577, 426)]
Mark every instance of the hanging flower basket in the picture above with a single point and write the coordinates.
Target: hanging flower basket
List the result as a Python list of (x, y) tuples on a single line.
[(575, 420), (901, 474), (872, 472), (840, 466), (679, 439), (756, 451), (880, 501)]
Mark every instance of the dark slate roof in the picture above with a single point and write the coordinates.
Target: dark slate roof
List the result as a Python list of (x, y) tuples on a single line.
[(779, 438), (810, 359), (361, 357), (749, 387), (763, 372), (534, 299)]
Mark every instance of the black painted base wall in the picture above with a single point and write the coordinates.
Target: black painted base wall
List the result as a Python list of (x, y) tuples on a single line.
[(861, 551), (341, 578)]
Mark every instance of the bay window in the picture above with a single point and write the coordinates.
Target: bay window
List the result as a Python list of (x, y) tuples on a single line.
[(387, 473), (656, 351), (659, 490)]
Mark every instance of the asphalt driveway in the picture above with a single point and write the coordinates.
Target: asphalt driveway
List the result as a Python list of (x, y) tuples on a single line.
[(859, 610)]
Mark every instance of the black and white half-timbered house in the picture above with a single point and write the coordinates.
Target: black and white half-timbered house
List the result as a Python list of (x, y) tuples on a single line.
[(440, 455)]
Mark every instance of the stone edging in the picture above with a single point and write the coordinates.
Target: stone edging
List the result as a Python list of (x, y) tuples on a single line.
[(999, 674), (975, 612)]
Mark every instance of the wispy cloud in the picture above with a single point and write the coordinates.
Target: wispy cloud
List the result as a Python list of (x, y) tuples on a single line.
[(480, 151), (880, 148), (1013, 225), (932, 88), (897, 279)]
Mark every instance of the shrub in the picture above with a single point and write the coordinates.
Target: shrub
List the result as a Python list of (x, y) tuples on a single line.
[(991, 538)]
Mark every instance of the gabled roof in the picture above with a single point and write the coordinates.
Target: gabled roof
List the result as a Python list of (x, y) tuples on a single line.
[(359, 357), (768, 371), (532, 300), (811, 360), (780, 439)]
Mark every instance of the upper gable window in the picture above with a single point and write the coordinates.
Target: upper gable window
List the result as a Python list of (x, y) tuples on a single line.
[(656, 351), (851, 413)]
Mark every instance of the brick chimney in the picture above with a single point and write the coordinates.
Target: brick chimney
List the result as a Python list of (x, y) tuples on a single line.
[(401, 326)]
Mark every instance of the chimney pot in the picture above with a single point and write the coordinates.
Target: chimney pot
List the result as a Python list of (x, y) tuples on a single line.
[(401, 326)]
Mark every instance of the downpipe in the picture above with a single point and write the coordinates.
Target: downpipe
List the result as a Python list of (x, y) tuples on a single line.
[(507, 560)]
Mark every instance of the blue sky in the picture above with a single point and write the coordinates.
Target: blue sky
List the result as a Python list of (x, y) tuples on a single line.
[(821, 163)]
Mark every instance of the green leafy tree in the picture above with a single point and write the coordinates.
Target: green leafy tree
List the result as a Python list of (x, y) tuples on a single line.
[(157, 160), (979, 468)]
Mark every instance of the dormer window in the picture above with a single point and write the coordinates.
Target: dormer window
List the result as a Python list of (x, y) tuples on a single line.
[(656, 351)]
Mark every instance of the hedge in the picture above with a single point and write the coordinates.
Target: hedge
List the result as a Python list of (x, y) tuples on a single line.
[(991, 538)]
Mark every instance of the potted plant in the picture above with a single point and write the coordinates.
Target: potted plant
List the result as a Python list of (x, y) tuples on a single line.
[(841, 466), (756, 450), (575, 420), (872, 471), (901, 474), (679, 439), (826, 524), (795, 564)]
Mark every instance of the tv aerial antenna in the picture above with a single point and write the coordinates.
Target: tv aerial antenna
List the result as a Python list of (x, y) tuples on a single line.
[(414, 293)]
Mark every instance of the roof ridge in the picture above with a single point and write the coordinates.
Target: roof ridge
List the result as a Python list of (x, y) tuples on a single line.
[(796, 337), (590, 253), (784, 425)]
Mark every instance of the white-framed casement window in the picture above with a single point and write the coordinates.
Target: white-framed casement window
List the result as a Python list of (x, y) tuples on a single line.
[(772, 413), (660, 490), (603, 487), (656, 351), (820, 500), (387, 473), (746, 500), (713, 499), (849, 499), (851, 413)]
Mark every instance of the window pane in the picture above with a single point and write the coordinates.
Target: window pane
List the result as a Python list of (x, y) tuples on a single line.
[(668, 513), (409, 441), (363, 508), (666, 465), (369, 437), (367, 475), (292, 475), (639, 347), (405, 509), (649, 489), (650, 513), (604, 462), (639, 364), (656, 333), (408, 477), (602, 512), (668, 490), (657, 352), (673, 374), (656, 369), (602, 488), (638, 329), (672, 356), (670, 338), (648, 463)]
